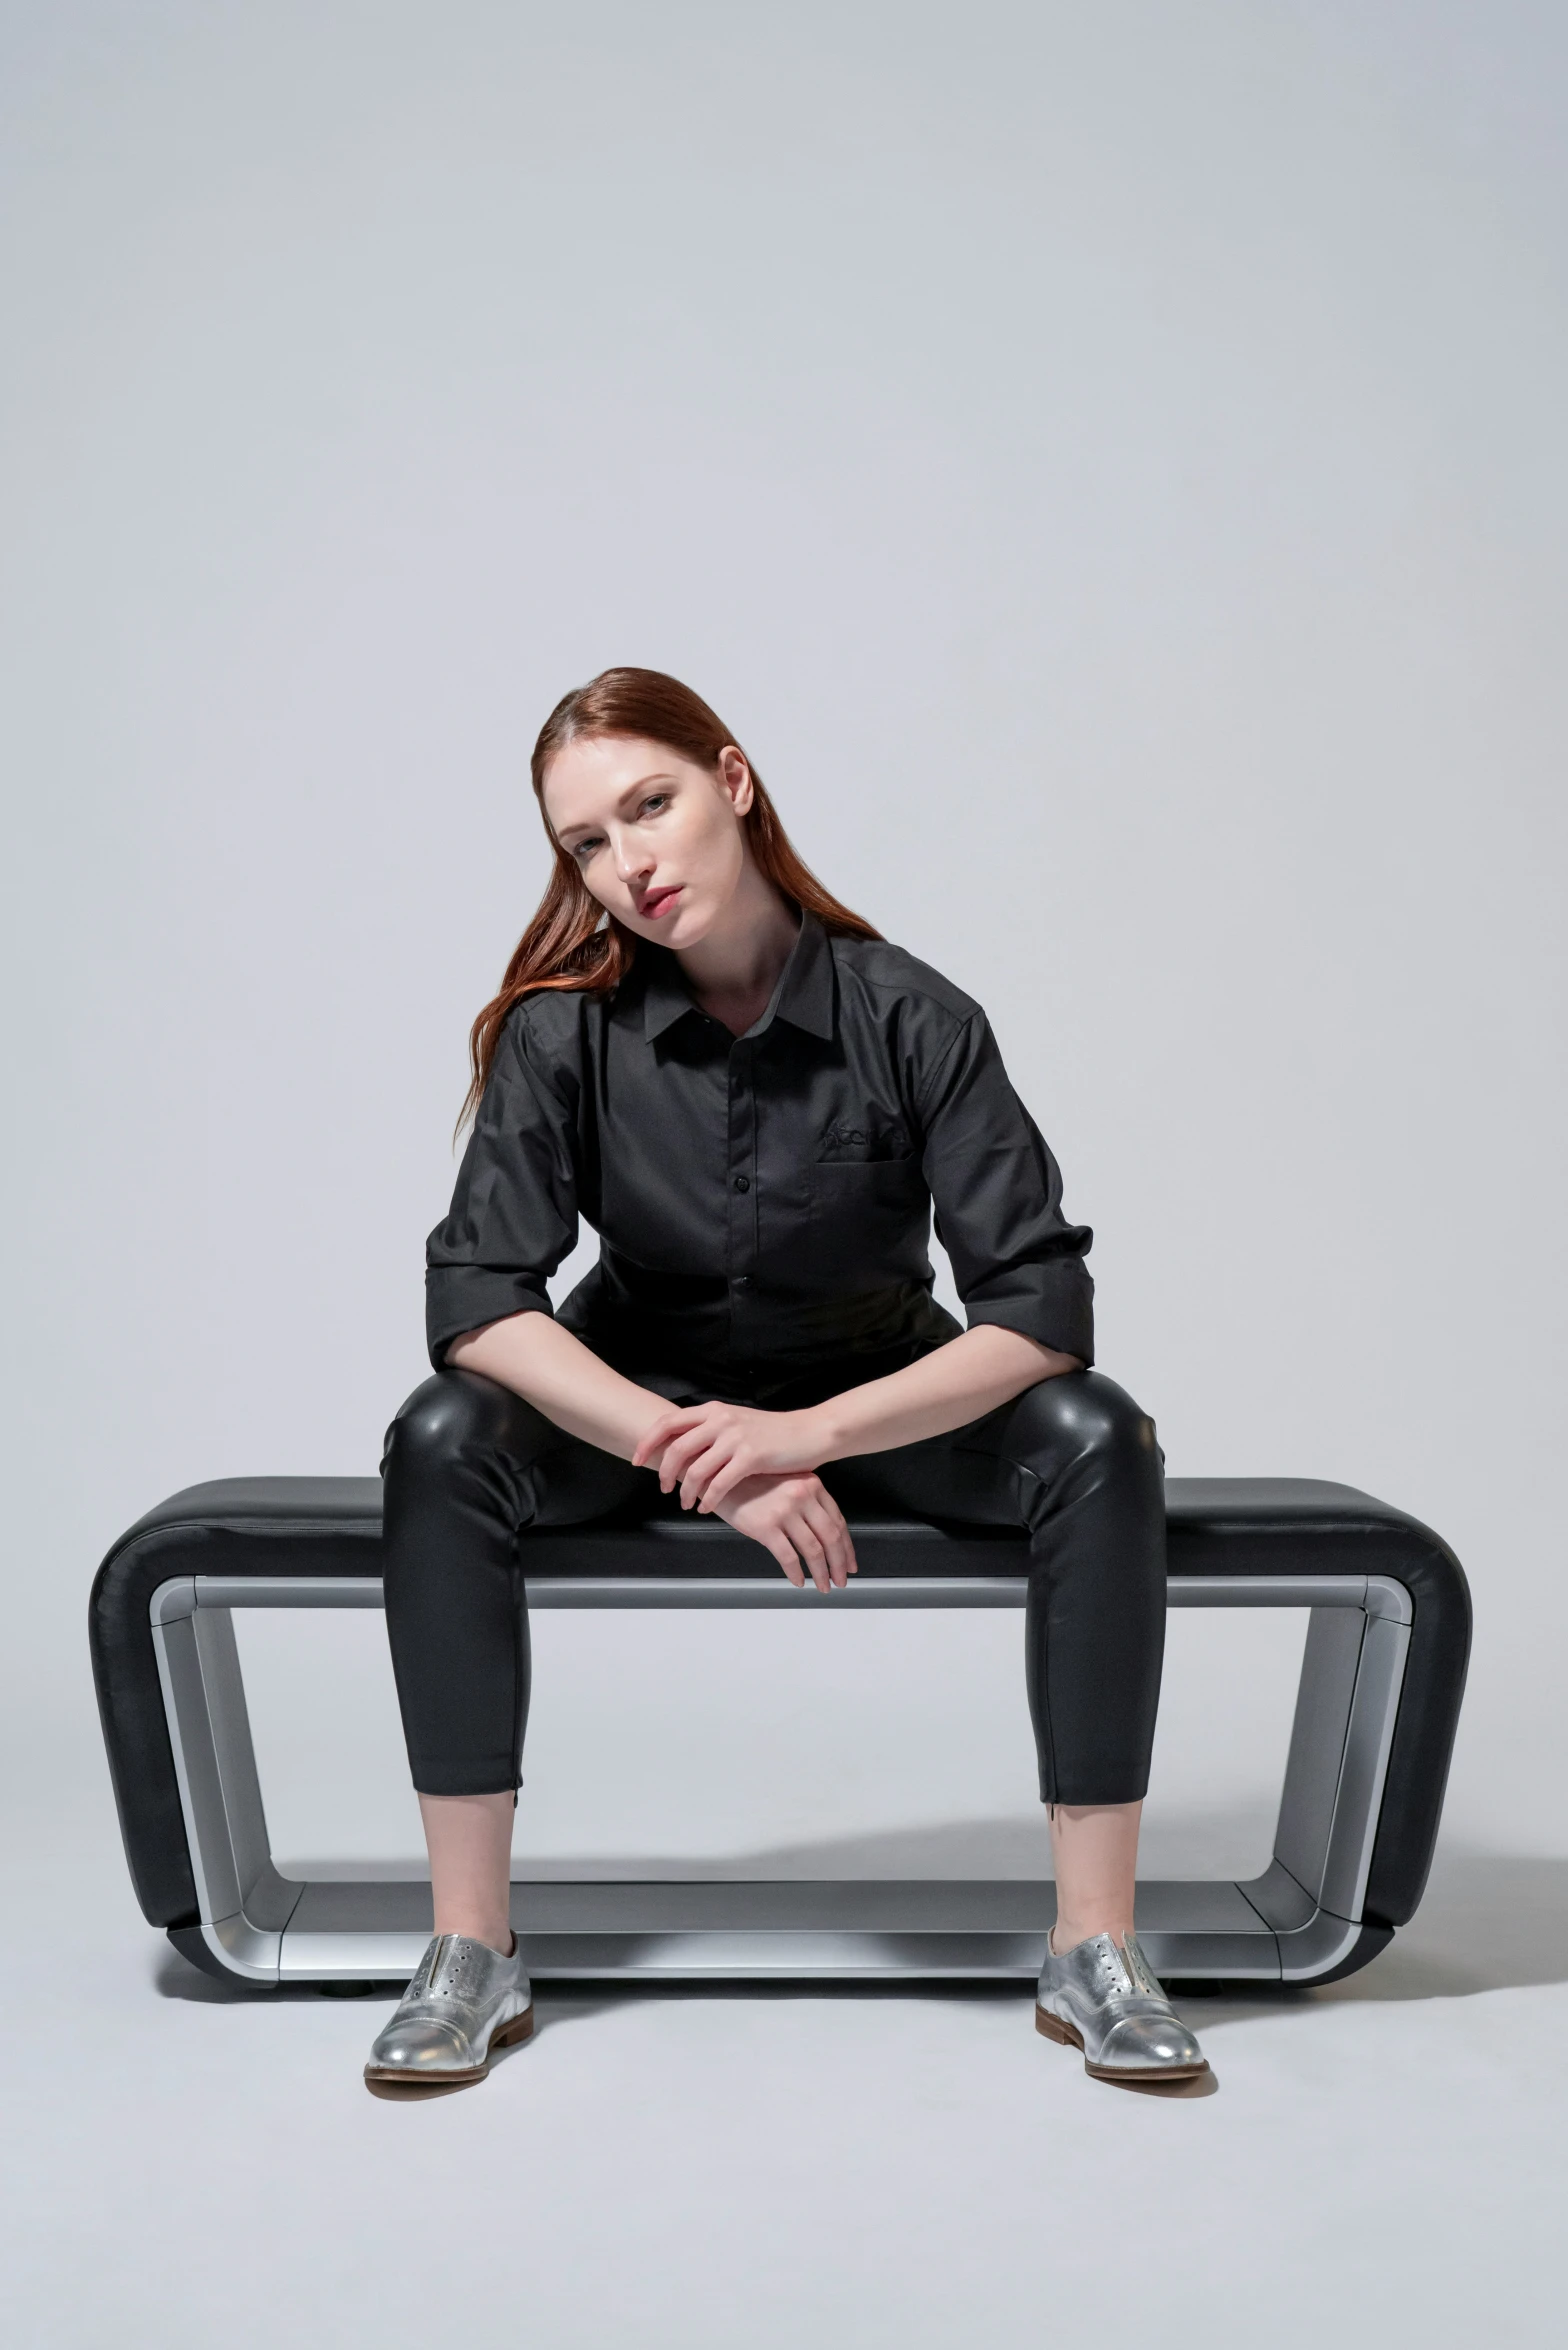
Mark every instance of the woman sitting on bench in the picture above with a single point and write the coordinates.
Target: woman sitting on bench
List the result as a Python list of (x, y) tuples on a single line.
[(755, 1100)]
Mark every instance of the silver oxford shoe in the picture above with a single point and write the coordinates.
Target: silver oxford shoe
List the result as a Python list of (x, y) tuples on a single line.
[(465, 2001), (1108, 2002)]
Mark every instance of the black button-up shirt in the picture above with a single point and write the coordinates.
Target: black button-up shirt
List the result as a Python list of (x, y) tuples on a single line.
[(763, 1202)]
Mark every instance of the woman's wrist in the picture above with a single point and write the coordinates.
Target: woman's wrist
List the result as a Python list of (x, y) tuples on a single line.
[(640, 1420), (826, 1431)]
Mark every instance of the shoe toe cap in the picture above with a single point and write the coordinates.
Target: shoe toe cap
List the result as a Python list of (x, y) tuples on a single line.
[(421, 2048), (1150, 2044)]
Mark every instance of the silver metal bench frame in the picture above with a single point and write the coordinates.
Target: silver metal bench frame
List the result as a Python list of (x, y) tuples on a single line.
[(1298, 1922)]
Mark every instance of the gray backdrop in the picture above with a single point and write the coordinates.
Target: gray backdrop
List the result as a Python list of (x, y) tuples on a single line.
[(1106, 464)]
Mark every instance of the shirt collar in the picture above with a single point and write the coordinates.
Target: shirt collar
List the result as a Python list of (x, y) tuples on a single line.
[(803, 994)]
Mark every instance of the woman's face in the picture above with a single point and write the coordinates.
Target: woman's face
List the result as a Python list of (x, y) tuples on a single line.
[(657, 839)]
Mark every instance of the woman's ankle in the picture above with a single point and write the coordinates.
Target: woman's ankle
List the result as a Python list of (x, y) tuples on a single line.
[(495, 1936), (1067, 1933)]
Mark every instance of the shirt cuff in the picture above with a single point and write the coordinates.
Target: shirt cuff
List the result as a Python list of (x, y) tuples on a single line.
[(1053, 1304), (464, 1297)]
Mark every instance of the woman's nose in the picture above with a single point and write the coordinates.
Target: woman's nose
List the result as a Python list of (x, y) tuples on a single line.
[(632, 858)]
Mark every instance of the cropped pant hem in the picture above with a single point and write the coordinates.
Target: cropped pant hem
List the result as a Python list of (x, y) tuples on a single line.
[(462, 1776)]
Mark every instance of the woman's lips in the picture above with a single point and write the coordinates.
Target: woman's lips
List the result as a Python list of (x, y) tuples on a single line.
[(660, 901)]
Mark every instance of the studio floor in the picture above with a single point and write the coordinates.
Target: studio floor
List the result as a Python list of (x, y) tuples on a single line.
[(1382, 2161)]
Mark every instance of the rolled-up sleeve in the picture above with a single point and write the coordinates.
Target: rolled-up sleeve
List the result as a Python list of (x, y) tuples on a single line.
[(514, 1210), (997, 1195)]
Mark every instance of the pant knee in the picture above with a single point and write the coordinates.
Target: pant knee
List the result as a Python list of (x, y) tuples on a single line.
[(450, 1418), (1083, 1418)]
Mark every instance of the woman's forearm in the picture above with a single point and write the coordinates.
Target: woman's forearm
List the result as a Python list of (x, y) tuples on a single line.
[(573, 1387), (945, 1389), (567, 1381)]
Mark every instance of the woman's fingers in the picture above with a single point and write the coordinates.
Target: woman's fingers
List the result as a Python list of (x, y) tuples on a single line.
[(711, 1441), (714, 1433), (734, 1471), (828, 1520), (779, 1545), (812, 1549), (835, 1542), (667, 1425), (679, 1455), (698, 1473)]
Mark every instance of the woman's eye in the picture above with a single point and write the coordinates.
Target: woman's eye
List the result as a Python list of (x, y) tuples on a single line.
[(586, 848)]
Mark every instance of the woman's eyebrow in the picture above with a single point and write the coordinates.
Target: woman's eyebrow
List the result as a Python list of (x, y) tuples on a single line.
[(631, 791)]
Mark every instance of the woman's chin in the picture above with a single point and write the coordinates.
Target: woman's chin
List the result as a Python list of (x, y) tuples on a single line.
[(682, 926)]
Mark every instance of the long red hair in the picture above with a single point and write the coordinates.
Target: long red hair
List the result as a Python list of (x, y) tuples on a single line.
[(572, 940)]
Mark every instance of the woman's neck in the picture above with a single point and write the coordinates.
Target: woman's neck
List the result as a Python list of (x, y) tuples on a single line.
[(734, 970)]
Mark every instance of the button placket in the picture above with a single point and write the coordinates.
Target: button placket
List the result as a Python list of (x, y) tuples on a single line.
[(742, 1192)]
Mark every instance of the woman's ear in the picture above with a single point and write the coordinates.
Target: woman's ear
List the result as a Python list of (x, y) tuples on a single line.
[(735, 777)]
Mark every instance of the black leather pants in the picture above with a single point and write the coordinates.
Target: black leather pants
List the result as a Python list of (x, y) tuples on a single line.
[(1072, 1460)]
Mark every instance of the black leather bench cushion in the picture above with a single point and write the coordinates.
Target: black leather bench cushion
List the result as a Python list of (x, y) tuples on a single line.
[(1216, 1527), (331, 1526)]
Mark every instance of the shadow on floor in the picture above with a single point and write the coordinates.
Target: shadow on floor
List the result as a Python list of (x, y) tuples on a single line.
[(1489, 1922), (174, 1977)]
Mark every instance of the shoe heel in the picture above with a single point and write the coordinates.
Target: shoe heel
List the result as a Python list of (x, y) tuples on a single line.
[(521, 2027), (1054, 2029)]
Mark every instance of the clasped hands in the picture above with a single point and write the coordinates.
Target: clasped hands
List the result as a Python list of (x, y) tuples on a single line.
[(756, 1471)]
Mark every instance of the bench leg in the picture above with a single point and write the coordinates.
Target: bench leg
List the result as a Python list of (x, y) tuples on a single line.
[(1352, 1673), (245, 1904)]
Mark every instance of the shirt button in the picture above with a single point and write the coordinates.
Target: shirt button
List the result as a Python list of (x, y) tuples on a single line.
[(743, 1183)]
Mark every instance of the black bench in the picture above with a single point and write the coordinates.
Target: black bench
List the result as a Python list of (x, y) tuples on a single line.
[(1382, 1676)]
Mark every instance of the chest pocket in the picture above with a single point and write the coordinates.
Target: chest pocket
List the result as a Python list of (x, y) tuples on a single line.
[(878, 1143), (868, 1196)]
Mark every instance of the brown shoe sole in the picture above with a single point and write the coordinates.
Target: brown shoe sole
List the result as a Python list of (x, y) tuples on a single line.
[(383, 2080), (1069, 2036)]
